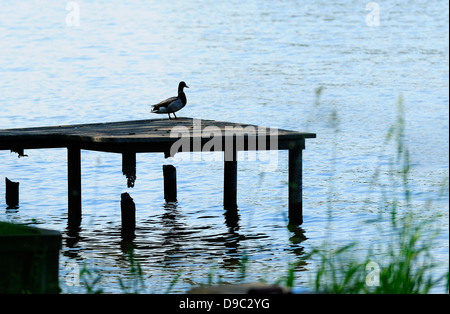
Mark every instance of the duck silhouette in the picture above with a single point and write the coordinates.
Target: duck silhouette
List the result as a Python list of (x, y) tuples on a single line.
[(172, 104)]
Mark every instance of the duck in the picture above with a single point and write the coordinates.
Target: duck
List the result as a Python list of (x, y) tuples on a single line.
[(172, 104)]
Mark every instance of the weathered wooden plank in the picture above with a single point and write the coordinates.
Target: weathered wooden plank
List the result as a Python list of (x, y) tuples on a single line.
[(149, 133)]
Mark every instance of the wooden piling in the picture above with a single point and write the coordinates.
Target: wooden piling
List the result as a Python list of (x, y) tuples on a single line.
[(128, 212), (230, 181), (129, 167), (170, 183), (12, 193), (295, 186), (74, 184)]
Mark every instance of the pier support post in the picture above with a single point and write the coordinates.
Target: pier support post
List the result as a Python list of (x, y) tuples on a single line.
[(74, 184), (129, 167), (12, 193), (230, 180), (295, 186), (128, 212), (170, 183)]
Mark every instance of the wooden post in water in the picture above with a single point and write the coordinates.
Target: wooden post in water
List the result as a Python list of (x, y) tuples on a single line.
[(129, 167), (230, 180), (12, 193), (74, 184), (128, 212), (295, 186), (170, 183)]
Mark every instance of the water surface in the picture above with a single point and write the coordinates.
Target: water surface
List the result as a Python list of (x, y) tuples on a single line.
[(254, 62)]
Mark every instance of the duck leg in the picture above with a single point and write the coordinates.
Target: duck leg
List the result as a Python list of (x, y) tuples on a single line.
[(174, 115), (169, 116)]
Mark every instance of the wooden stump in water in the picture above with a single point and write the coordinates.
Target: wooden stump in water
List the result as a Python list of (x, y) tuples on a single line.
[(170, 183), (230, 181), (295, 186), (74, 185), (12, 193), (128, 211)]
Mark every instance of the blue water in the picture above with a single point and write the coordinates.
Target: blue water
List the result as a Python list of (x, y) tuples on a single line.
[(256, 62)]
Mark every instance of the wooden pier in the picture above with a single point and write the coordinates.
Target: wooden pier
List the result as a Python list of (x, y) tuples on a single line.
[(168, 137)]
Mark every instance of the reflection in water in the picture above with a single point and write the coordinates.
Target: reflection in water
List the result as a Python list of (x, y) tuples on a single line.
[(73, 231), (297, 237), (12, 210), (166, 243), (232, 238), (175, 235), (73, 235), (232, 219)]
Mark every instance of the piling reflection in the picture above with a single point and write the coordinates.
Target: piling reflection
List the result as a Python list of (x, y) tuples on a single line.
[(175, 236), (297, 237), (173, 244), (231, 218), (72, 235), (232, 239), (11, 210)]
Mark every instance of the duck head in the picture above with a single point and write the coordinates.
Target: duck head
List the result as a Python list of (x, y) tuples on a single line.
[(181, 86)]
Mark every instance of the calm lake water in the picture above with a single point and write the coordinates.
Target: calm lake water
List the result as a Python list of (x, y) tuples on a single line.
[(257, 62)]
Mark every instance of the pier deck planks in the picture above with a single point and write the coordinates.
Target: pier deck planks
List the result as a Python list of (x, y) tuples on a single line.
[(138, 135)]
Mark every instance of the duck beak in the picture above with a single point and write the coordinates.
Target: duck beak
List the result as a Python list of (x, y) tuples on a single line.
[(186, 86)]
